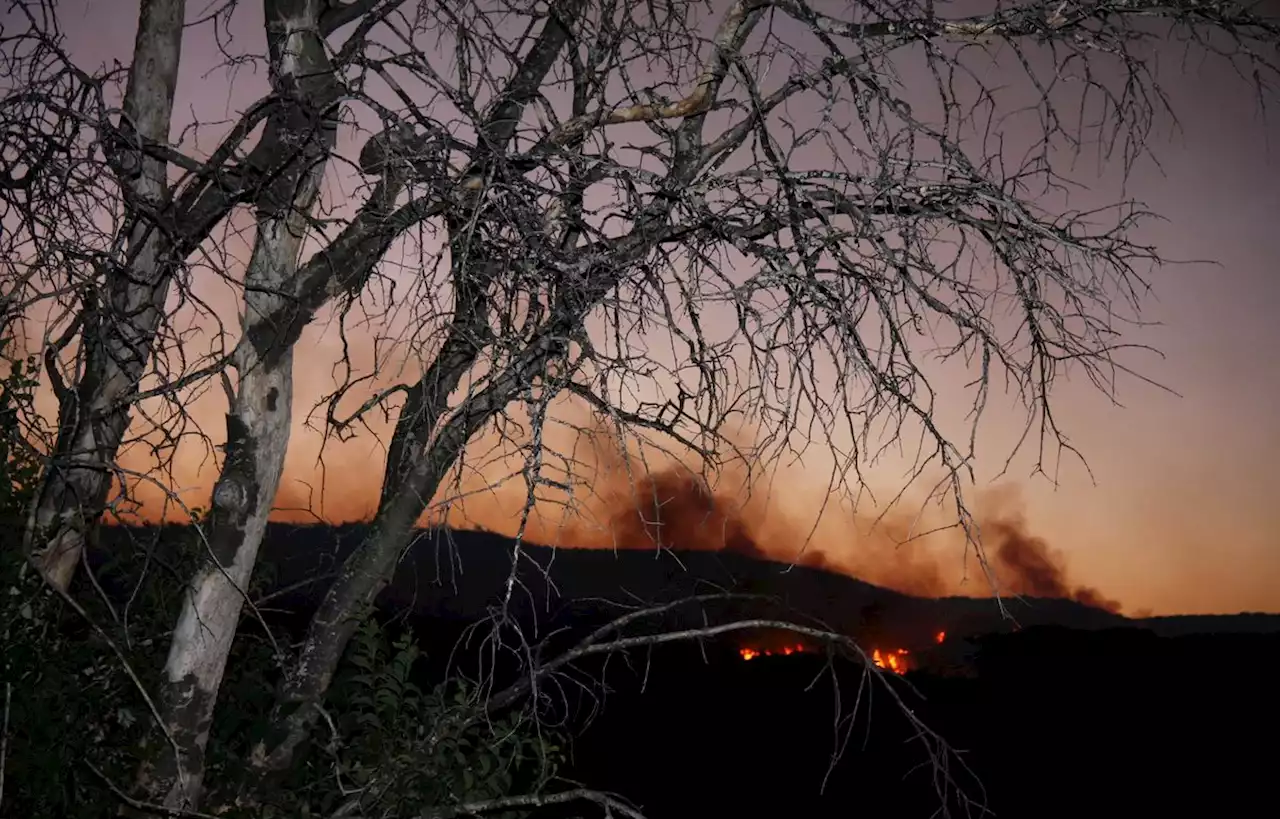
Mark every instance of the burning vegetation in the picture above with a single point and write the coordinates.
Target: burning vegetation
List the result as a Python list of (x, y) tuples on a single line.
[(897, 660), (750, 653), (894, 660)]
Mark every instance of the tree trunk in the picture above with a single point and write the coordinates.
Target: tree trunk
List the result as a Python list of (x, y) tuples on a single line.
[(421, 454), (258, 425), (424, 448), (258, 428), (119, 336), (427, 441)]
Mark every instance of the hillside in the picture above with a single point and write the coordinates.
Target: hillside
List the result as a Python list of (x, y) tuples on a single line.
[(460, 575), (1081, 712)]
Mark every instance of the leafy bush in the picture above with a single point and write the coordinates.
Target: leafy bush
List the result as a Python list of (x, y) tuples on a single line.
[(77, 715), (406, 748), (69, 701), (19, 464), (78, 718)]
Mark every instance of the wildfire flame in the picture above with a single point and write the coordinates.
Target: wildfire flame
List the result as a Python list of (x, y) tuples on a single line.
[(751, 653), (895, 660)]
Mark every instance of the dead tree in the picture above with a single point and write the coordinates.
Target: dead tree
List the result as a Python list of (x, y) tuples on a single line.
[(760, 187), (851, 243), (94, 414)]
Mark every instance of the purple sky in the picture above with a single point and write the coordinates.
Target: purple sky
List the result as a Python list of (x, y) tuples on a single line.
[(1184, 516)]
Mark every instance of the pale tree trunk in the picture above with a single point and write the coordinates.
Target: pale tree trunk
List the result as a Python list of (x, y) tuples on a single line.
[(422, 452), (258, 425), (429, 437), (119, 333), (428, 440), (426, 444), (414, 471)]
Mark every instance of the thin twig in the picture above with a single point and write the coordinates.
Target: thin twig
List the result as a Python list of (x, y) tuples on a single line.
[(141, 805), (607, 801)]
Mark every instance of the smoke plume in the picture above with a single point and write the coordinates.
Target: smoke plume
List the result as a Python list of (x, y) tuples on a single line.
[(1029, 567), (636, 503), (676, 508)]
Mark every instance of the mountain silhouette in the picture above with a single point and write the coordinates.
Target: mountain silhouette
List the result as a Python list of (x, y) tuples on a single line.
[(1057, 710), (462, 576)]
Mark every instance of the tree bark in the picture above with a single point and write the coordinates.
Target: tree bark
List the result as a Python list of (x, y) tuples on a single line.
[(424, 446), (118, 337), (258, 428), (421, 454), (428, 438), (260, 417)]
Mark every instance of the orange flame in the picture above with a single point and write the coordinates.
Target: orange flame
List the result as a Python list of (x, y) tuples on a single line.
[(750, 653), (895, 661)]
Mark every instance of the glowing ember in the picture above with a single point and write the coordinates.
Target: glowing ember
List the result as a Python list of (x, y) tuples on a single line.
[(895, 661), (752, 653), (940, 637)]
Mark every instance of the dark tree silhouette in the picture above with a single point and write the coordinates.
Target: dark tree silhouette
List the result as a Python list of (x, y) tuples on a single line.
[(774, 212)]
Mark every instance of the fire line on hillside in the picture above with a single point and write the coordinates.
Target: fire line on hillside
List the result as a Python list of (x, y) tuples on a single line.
[(896, 660)]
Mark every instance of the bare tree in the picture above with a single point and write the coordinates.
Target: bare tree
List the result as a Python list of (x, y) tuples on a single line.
[(136, 284), (772, 212)]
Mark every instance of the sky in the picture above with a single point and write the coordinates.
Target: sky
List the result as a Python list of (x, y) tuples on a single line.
[(1179, 515)]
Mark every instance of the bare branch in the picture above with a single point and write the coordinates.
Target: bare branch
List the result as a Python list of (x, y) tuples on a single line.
[(607, 801), (786, 221)]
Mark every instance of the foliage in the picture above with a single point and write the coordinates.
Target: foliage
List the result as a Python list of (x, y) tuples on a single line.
[(64, 743), (571, 191), (62, 665), (19, 464), (404, 747), (57, 670)]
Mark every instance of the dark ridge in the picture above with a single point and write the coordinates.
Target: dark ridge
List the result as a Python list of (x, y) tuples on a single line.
[(1081, 712), (1186, 625), (462, 575)]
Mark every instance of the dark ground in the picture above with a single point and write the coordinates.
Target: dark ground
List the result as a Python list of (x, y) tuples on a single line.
[(1080, 713)]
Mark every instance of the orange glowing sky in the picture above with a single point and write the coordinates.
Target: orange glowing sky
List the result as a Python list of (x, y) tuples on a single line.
[(1183, 517)]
